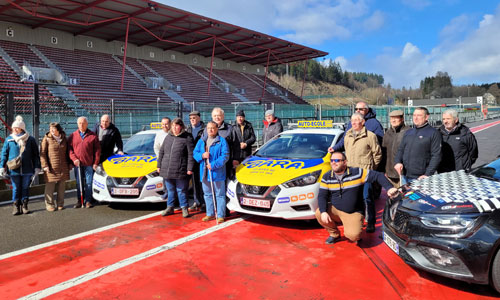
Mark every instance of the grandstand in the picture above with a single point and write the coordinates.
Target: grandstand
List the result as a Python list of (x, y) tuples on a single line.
[(114, 50)]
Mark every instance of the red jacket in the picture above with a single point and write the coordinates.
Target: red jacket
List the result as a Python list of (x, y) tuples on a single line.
[(87, 151)]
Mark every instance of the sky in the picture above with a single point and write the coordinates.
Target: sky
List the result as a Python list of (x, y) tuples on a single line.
[(403, 40)]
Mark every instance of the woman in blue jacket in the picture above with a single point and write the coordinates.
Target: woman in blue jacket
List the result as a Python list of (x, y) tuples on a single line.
[(20, 143), (212, 152)]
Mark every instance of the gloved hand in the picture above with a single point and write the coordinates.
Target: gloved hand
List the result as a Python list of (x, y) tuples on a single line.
[(3, 172), (37, 171)]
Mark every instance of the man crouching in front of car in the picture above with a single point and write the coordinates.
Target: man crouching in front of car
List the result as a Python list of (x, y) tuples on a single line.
[(340, 198)]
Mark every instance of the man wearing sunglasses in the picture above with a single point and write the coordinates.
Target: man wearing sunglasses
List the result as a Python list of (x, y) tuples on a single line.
[(340, 198), (371, 124)]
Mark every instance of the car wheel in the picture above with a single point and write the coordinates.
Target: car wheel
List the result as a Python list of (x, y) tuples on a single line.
[(495, 272)]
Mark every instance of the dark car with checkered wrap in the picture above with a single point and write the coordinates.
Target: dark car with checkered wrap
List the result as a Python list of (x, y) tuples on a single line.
[(449, 224)]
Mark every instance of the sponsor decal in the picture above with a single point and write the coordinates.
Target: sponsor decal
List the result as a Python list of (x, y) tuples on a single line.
[(283, 199), (414, 197), (315, 124), (230, 192), (99, 185), (425, 202), (159, 185), (310, 196), (151, 187), (455, 206), (134, 158), (294, 198), (257, 162)]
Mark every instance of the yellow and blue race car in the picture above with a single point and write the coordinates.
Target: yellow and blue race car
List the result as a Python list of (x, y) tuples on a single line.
[(281, 179), (131, 177)]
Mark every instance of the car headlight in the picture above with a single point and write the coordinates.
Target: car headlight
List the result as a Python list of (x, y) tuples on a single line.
[(303, 180), (450, 224), (100, 171), (153, 174)]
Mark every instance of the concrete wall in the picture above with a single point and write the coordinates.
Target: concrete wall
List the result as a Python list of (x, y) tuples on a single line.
[(63, 40)]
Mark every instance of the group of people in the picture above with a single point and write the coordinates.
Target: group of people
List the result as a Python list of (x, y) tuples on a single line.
[(402, 152), (208, 154), (83, 150)]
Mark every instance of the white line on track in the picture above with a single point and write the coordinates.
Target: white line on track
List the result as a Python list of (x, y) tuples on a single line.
[(76, 236), (128, 261), (484, 126)]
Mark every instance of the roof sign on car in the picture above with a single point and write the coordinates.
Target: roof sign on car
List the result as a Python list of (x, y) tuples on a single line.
[(155, 125), (315, 124)]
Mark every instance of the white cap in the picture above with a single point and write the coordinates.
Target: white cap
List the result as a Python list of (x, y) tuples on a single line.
[(19, 123)]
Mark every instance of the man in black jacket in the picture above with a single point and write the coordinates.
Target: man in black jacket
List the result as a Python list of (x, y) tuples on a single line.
[(109, 137), (419, 153), (244, 139), (390, 145), (196, 130), (459, 144)]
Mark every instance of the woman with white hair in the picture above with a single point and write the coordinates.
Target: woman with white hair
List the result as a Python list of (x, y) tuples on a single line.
[(20, 158)]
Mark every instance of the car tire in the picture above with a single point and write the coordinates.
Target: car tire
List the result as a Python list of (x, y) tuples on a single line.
[(495, 272)]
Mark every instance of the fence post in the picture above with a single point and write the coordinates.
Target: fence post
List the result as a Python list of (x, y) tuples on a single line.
[(158, 108), (131, 130), (113, 111)]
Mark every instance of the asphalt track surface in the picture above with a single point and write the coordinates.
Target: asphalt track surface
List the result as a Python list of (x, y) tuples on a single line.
[(131, 252)]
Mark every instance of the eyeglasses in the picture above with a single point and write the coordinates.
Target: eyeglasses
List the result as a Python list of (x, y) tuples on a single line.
[(358, 108), (336, 160)]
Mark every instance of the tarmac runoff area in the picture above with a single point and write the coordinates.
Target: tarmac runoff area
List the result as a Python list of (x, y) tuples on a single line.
[(131, 252)]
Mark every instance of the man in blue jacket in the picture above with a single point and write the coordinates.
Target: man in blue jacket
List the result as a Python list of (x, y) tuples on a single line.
[(419, 153), (212, 152)]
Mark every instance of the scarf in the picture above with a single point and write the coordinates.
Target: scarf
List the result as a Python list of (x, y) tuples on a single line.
[(20, 141)]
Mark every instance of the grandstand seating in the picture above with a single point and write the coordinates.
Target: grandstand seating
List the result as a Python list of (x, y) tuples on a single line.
[(10, 82), (99, 77)]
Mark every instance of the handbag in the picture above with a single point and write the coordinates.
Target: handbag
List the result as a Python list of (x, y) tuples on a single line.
[(14, 163)]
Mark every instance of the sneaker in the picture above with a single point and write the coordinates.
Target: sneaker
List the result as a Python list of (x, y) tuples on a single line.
[(208, 218), (185, 212), (89, 205), (220, 220), (60, 207), (332, 240), (203, 208), (51, 208), (370, 228), (78, 205), (168, 211), (194, 207)]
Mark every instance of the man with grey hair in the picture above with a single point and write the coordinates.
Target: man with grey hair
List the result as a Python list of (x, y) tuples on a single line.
[(363, 151), (84, 151), (272, 126), (109, 137), (459, 145)]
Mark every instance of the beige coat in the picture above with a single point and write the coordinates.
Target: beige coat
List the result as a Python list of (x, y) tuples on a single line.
[(55, 157), (362, 151)]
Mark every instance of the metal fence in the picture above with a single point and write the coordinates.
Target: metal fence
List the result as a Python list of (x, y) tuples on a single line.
[(131, 119)]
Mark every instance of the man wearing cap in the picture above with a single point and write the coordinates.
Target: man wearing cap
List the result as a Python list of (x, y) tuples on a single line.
[(196, 130), (392, 138), (272, 126), (244, 138)]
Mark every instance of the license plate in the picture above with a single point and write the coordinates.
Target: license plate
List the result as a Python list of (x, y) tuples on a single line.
[(391, 243), (125, 191), (256, 202)]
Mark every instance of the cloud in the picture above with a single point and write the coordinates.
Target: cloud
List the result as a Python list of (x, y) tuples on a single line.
[(469, 56), (310, 22)]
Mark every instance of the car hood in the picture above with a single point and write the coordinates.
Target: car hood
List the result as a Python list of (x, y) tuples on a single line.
[(273, 171), (129, 165), (452, 193)]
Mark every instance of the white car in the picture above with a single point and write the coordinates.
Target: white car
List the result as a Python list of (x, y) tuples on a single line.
[(282, 178), (131, 177)]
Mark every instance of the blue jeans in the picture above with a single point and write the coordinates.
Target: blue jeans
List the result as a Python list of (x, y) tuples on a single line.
[(370, 203), (87, 174), (177, 187), (220, 196), (20, 186)]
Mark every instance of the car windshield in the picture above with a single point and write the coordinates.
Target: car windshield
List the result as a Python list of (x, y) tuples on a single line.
[(490, 171), (297, 146), (140, 144)]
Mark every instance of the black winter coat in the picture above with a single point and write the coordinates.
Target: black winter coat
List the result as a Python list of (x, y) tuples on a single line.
[(111, 139), (176, 156), (459, 149), (420, 151), (200, 133), (390, 145), (248, 137)]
